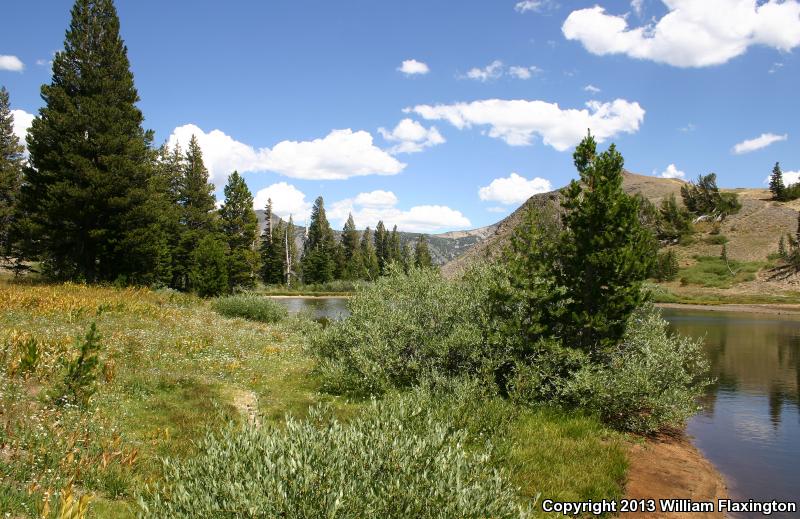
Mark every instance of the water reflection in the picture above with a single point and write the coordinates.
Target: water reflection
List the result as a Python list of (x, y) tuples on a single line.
[(750, 428), (323, 309)]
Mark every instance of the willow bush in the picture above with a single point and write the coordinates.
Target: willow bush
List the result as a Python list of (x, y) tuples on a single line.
[(404, 456)]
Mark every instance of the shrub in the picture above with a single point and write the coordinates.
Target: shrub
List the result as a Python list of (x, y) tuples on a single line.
[(703, 198), (717, 239), (402, 328), (209, 273), (398, 459), (666, 266), (714, 271), (653, 381), (79, 381), (250, 306)]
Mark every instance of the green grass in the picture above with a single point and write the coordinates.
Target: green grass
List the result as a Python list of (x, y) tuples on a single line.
[(172, 369), (714, 272)]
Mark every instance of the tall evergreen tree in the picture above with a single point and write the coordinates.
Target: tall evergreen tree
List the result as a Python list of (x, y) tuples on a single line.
[(86, 191), (605, 252), (394, 248), (271, 249), (368, 256), (319, 253), (776, 185), (291, 262), (422, 254), (240, 228), (11, 162), (381, 247), (351, 251), (198, 214), (406, 257)]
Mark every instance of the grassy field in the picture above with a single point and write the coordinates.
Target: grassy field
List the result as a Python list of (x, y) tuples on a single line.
[(171, 369)]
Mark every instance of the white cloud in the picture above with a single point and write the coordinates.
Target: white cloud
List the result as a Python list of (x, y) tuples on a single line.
[(369, 208), (491, 71), (411, 136), (410, 67), (11, 63), (513, 189), (637, 6), (22, 122), (688, 128), (532, 5), (287, 201), (591, 89), (775, 67), (518, 121), (789, 178), (339, 155), (693, 33), (672, 172), (762, 141), (377, 198), (523, 72)]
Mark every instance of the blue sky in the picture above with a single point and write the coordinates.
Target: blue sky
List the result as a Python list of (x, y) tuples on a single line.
[(305, 98)]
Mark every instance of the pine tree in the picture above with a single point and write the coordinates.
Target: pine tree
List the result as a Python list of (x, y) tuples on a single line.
[(370, 259), (394, 252), (776, 185), (351, 251), (605, 253), (319, 253), (240, 228), (85, 195), (422, 254), (406, 257), (198, 215), (381, 247), (209, 274), (272, 249), (11, 162)]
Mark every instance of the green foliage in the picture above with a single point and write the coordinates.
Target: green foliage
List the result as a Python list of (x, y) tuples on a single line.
[(209, 275), (717, 239), (653, 380), (398, 458), (603, 255), (250, 306), (402, 328), (382, 247), (80, 380), (240, 228), (666, 266), (422, 254), (716, 272), (31, 356), (273, 250), (703, 198), (776, 186), (351, 254), (319, 254), (368, 256), (11, 162), (674, 222), (86, 196)]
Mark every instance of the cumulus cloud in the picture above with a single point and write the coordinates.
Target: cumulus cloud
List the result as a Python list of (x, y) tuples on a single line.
[(491, 71), (518, 121), (762, 141), (513, 189), (287, 201), (11, 63), (411, 137), (693, 33), (411, 67), (591, 89), (672, 172), (532, 5), (339, 155), (789, 178), (369, 208), (523, 72), (22, 122)]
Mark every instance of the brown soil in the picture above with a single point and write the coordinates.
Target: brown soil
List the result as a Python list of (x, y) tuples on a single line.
[(670, 467)]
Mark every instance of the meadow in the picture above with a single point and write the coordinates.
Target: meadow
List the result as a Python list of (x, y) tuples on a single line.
[(173, 373)]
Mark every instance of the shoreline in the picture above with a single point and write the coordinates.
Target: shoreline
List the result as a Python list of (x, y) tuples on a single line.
[(672, 467), (308, 296), (751, 308)]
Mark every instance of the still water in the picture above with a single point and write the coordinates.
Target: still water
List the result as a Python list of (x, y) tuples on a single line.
[(750, 428)]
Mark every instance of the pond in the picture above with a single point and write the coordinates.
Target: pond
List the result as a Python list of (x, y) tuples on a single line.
[(750, 428)]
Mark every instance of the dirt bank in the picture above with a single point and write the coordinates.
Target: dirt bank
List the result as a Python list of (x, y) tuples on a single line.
[(772, 308), (671, 467)]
